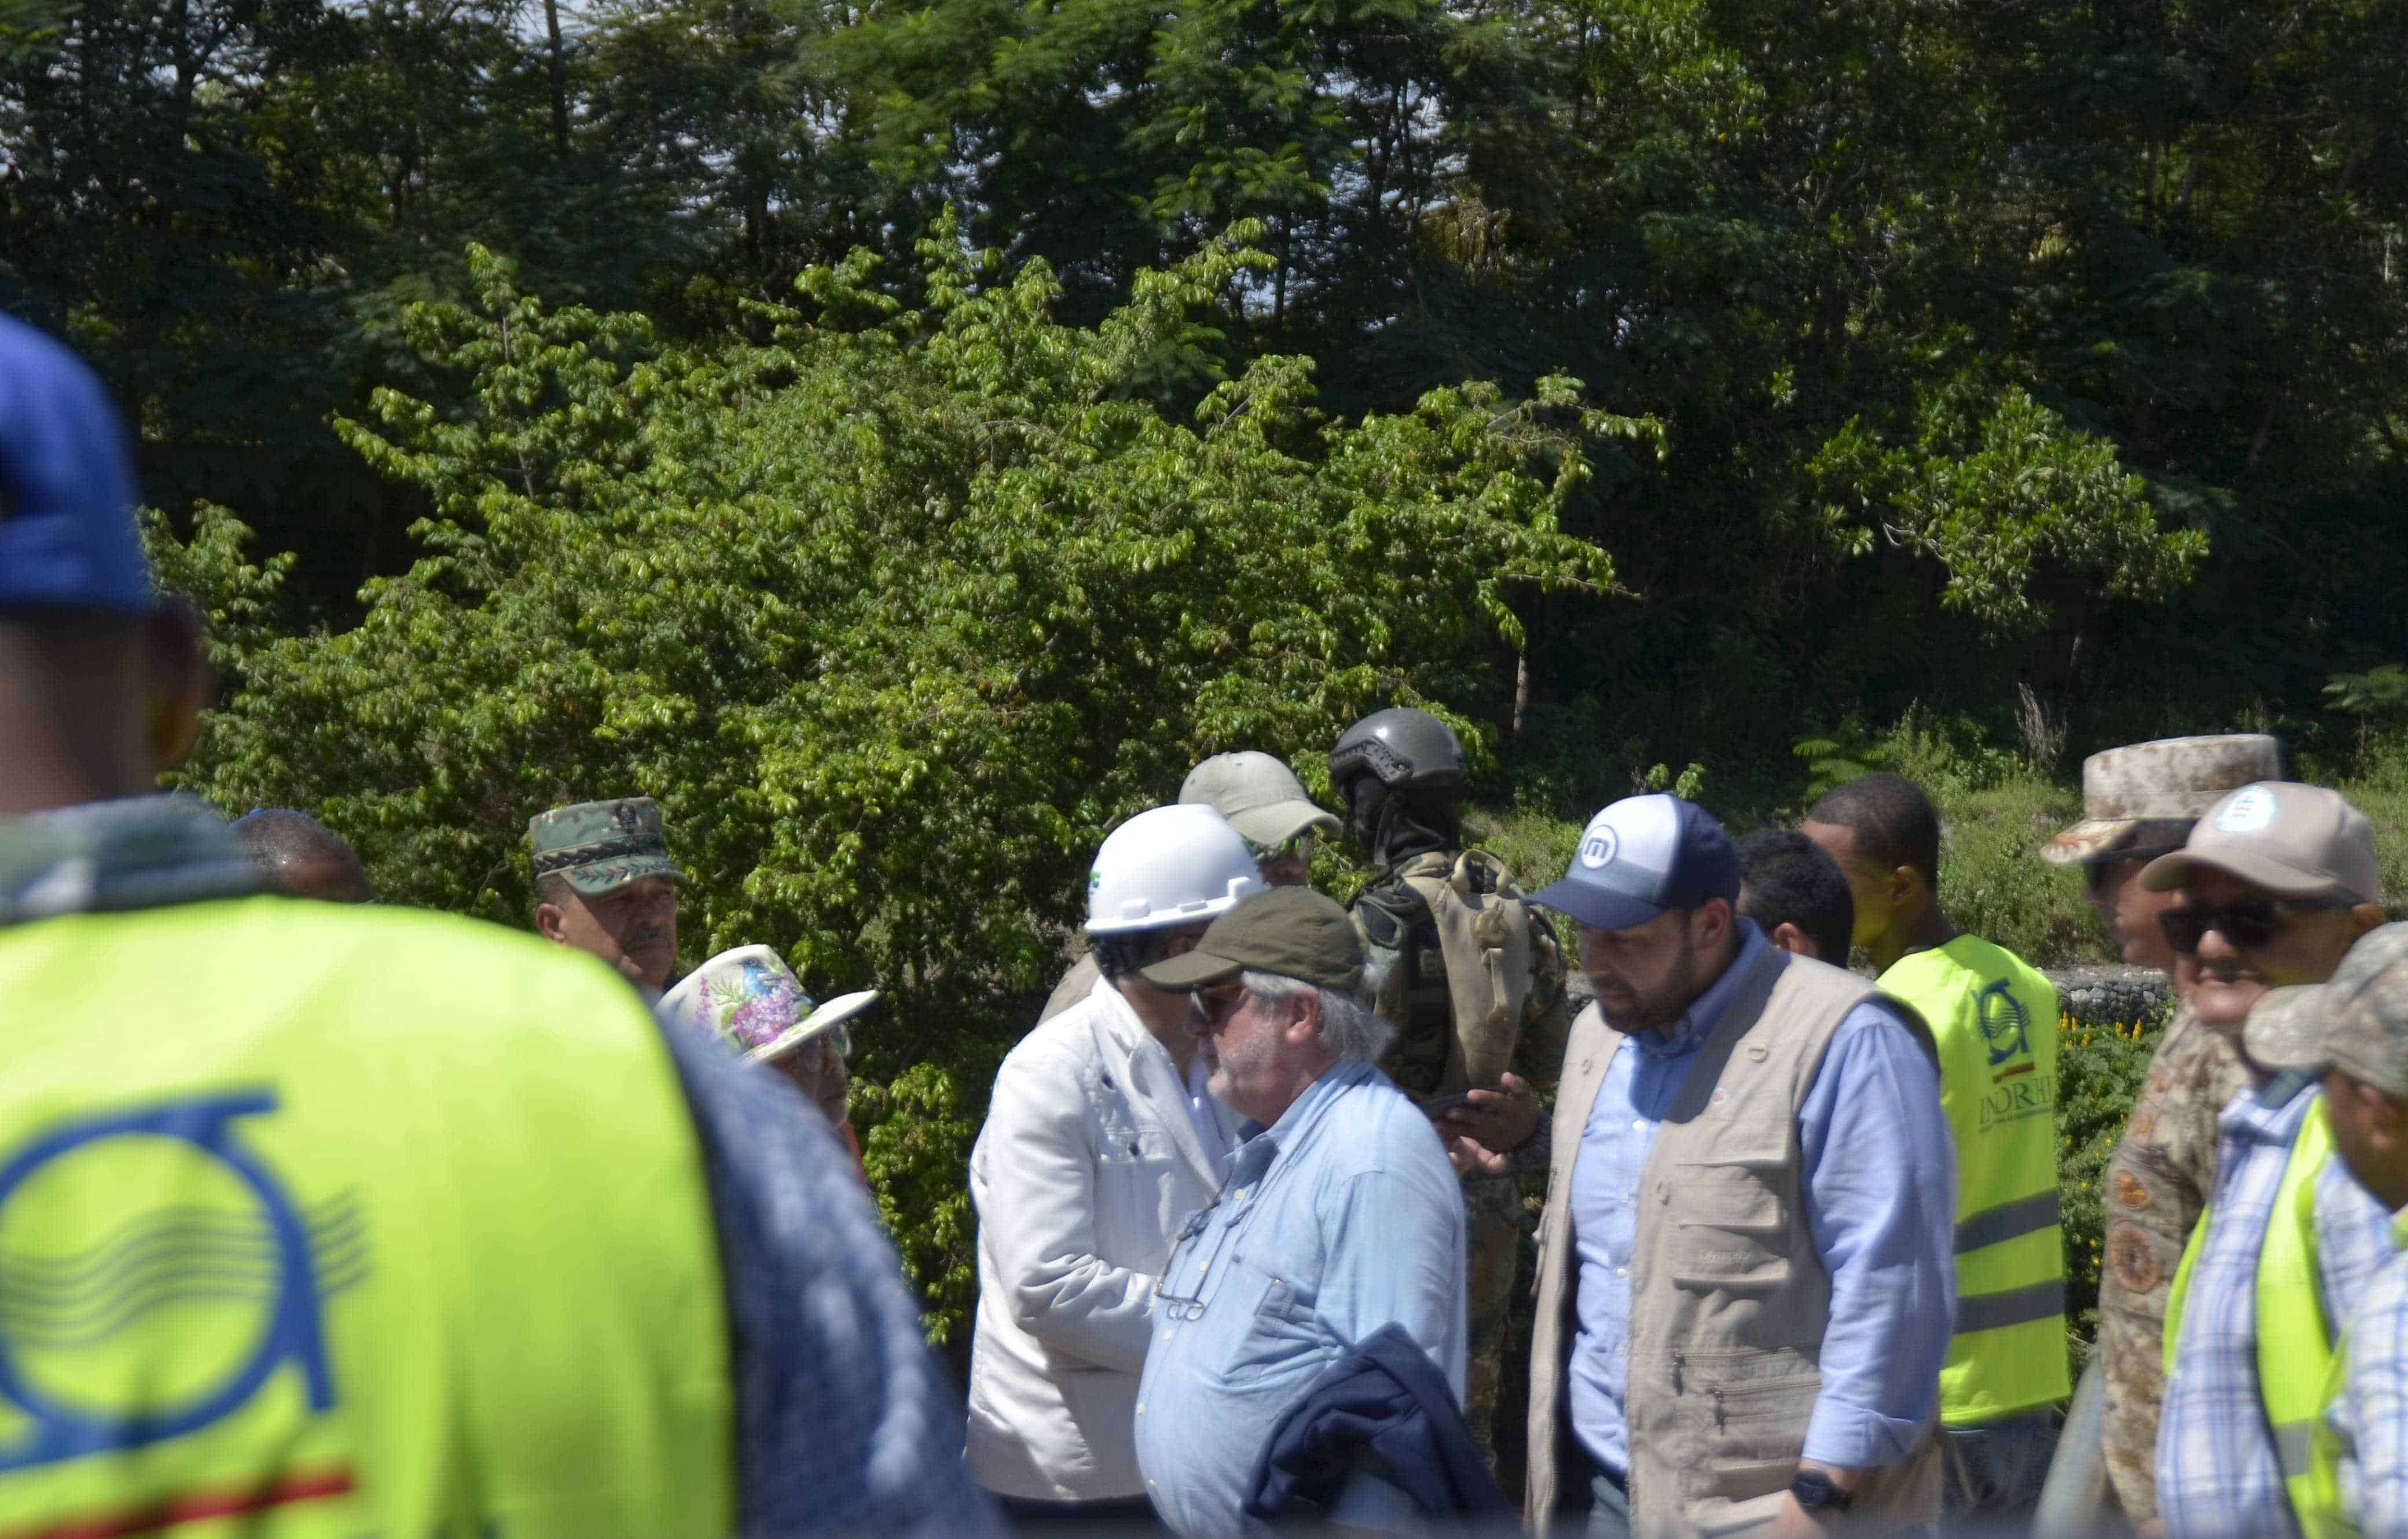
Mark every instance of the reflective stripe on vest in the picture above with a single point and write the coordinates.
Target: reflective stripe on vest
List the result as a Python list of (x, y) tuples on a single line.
[(1994, 1020), (340, 1221), (2296, 1362)]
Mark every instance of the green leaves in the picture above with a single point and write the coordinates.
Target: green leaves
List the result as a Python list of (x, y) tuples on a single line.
[(1993, 490)]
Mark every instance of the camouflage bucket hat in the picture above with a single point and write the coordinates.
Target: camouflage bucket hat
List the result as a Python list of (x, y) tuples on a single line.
[(2152, 791), (2357, 1022), (602, 846)]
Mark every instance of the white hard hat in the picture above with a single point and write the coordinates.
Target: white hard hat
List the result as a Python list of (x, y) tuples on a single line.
[(1173, 866)]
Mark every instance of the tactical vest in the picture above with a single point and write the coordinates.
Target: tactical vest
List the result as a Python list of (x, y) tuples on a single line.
[(2296, 1362), (1470, 953), (333, 1221), (1994, 1020)]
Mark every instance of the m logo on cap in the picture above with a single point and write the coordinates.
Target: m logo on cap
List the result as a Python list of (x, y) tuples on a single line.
[(1601, 844), (2248, 811)]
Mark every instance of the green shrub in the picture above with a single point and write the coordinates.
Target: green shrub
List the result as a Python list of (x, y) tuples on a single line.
[(2098, 1071)]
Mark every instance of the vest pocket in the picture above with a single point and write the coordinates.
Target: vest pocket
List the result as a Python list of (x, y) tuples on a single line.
[(1748, 1412), (1729, 1227)]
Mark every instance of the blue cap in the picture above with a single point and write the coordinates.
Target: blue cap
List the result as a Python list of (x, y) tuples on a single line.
[(1644, 857), (67, 534)]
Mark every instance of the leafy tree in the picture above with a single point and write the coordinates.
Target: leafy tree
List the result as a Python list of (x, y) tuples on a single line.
[(896, 615)]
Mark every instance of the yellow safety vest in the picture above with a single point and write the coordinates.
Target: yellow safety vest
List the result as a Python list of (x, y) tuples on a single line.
[(1994, 1020), (2296, 1362), (334, 1221)]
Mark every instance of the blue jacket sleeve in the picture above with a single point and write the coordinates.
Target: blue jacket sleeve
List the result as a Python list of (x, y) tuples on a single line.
[(844, 1424), (1881, 1195)]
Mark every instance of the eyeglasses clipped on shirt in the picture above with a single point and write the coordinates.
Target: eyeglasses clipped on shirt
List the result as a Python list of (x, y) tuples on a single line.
[(1182, 1306), (2247, 922)]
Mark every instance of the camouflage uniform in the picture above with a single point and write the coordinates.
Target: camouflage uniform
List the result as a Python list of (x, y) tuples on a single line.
[(1428, 1059), (2157, 1184)]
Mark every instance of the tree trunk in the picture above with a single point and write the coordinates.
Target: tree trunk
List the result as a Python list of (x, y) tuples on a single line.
[(559, 77)]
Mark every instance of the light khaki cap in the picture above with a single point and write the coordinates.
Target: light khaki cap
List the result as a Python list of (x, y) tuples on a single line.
[(2357, 1022), (2290, 839), (1261, 797), (2169, 780)]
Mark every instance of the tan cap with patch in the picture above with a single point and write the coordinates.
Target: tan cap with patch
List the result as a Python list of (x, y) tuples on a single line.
[(2290, 839)]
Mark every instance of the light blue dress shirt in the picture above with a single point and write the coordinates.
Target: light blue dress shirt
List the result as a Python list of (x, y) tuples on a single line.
[(1342, 1217), (1878, 1171)]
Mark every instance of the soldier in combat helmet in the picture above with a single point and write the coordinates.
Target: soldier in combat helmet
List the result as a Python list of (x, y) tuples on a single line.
[(1472, 980)]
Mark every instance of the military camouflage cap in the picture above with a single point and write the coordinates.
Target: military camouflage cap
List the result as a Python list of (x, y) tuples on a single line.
[(2149, 794), (2357, 1022), (602, 846)]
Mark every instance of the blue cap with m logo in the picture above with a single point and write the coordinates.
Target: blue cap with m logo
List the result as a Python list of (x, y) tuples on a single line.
[(1644, 857)]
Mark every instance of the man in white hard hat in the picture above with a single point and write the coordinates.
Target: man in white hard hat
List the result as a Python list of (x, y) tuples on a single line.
[(1267, 804), (1100, 1138)]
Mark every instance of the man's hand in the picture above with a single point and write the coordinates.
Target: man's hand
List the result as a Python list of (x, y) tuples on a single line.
[(1469, 1159), (1497, 1121)]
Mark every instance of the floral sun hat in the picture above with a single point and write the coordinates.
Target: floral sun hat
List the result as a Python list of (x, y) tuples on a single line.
[(751, 1001)]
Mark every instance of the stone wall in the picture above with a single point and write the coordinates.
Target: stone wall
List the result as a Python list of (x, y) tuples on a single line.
[(2109, 996)]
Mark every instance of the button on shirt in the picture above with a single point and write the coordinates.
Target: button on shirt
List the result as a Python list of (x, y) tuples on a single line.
[(1343, 1216), (2218, 1471), (1877, 1171)]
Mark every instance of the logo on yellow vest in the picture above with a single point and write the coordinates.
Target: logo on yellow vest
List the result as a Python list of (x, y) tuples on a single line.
[(2006, 1027), (156, 1275)]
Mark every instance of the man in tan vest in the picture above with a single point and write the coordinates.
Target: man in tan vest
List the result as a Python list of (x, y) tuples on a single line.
[(1744, 1268)]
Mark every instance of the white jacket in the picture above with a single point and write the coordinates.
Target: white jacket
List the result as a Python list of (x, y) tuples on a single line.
[(1087, 1166)]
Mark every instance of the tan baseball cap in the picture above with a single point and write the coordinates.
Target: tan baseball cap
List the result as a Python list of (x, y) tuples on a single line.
[(2356, 1022), (2290, 839), (2169, 781), (1261, 797)]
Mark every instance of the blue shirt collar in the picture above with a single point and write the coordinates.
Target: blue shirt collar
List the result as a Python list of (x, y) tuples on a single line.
[(1263, 1144), (1706, 1011)]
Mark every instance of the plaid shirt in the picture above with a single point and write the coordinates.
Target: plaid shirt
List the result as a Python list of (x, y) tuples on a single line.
[(844, 1422), (2218, 1470), (2369, 1419)]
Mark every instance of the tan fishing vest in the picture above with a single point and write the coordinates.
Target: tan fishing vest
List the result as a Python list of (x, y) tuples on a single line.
[(1728, 1299)]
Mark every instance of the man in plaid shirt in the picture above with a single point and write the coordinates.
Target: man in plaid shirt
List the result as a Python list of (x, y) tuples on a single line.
[(2277, 881)]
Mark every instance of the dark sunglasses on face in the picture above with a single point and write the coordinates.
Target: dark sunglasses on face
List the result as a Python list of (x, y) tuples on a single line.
[(2245, 922)]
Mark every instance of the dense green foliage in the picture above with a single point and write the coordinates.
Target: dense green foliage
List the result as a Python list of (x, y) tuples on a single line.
[(2043, 349)]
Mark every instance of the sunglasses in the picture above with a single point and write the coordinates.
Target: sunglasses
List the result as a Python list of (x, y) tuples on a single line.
[(1296, 845), (2245, 922), (1220, 1003)]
